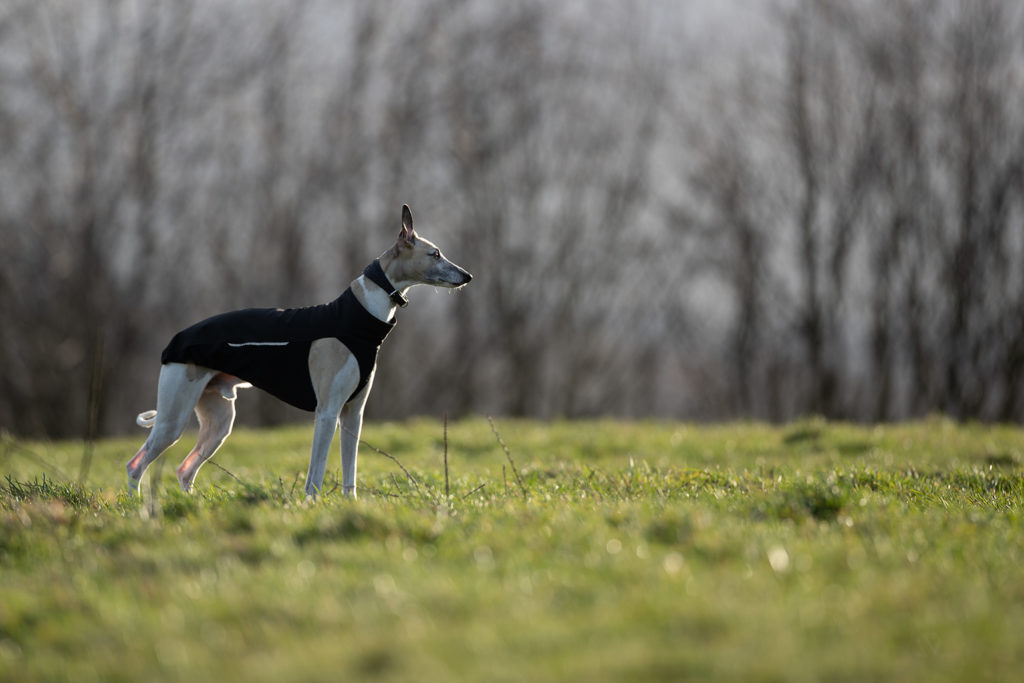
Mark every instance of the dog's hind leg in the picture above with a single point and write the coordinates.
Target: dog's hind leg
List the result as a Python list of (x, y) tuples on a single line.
[(216, 412), (178, 390)]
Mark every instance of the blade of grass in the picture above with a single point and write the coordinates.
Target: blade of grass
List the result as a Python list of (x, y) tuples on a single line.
[(508, 454)]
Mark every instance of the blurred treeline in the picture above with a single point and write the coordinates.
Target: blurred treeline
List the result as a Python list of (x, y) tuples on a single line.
[(671, 209)]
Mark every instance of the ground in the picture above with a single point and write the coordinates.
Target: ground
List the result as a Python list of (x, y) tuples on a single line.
[(594, 550)]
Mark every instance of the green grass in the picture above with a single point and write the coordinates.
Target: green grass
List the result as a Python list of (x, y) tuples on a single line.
[(611, 551)]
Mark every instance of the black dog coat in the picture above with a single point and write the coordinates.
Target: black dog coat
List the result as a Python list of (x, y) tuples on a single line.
[(269, 347)]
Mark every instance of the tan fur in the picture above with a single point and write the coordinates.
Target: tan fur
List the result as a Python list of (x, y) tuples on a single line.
[(327, 358)]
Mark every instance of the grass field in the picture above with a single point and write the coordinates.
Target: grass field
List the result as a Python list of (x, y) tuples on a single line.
[(608, 551)]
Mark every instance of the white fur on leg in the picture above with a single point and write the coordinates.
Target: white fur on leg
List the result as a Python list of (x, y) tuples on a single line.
[(323, 435), (178, 390), (216, 412), (336, 375), (351, 428)]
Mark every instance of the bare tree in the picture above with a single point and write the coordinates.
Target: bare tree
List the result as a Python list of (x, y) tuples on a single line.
[(828, 220)]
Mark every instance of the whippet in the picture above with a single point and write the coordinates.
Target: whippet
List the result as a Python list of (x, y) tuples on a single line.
[(321, 359)]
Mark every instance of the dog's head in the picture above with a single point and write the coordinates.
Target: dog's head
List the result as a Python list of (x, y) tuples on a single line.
[(418, 261)]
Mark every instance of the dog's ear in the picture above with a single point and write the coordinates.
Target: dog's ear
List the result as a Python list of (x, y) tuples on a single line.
[(408, 235)]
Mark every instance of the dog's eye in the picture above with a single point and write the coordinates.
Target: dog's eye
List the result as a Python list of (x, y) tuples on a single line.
[(436, 254)]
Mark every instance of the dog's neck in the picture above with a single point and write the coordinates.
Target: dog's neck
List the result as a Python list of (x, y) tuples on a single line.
[(376, 299), (375, 274), (373, 298)]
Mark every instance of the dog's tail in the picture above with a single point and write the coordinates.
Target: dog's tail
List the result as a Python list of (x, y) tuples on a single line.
[(146, 419)]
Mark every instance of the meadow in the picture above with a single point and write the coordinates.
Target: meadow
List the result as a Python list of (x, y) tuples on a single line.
[(594, 550)]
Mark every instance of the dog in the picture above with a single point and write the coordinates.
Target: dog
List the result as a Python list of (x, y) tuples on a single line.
[(320, 358)]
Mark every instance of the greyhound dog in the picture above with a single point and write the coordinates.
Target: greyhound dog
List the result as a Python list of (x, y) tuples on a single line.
[(320, 358)]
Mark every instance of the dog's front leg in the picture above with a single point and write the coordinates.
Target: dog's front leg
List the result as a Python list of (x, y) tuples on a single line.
[(351, 426), (323, 435), (335, 375)]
